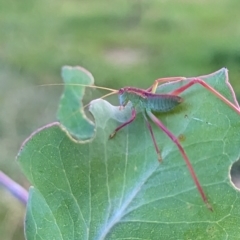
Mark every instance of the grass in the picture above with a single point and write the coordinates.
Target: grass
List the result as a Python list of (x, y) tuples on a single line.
[(162, 38)]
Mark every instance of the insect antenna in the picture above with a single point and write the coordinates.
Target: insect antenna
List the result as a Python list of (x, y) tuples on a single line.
[(104, 96), (113, 91), (78, 84)]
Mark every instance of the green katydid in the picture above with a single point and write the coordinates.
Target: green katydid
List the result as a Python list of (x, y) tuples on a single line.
[(148, 101)]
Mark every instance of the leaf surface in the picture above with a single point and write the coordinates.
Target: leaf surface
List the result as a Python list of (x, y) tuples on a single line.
[(116, 189)]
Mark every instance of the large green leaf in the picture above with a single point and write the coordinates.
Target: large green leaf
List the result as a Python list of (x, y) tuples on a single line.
[(116, 189)]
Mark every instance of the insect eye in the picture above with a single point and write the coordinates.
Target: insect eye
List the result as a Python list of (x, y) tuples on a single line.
[(121, 91)]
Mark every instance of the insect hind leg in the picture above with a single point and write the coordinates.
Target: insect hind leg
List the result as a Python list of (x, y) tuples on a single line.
[(194, 81)]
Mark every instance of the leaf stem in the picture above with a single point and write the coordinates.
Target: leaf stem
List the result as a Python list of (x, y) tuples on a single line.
[(14, 188)]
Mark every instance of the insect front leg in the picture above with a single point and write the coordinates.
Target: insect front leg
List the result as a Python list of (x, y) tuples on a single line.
[(133, 116), (184, 155)]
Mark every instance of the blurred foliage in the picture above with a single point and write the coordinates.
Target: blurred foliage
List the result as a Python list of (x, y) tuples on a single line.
[(120, 42)]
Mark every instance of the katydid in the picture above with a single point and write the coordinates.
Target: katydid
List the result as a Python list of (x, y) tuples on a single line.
[(149, 101)]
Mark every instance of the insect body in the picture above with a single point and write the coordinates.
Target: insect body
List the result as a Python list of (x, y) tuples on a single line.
[(147, 100)]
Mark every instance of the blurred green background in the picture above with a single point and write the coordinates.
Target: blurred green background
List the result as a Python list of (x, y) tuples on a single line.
[(121, 42)]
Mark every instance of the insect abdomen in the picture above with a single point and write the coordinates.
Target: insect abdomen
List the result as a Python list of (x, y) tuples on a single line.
[(162, 102)]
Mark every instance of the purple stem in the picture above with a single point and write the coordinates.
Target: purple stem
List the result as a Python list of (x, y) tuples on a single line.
[(17, 190)]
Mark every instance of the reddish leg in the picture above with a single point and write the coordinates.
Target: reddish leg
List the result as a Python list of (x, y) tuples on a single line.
[(211, 89), (184, 155), (153, 88), (133, 116), (153, 138)]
